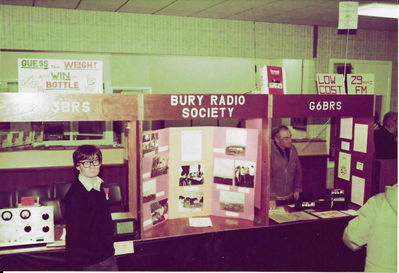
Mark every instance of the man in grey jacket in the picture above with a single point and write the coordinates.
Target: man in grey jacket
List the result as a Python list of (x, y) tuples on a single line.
[(286, 171)]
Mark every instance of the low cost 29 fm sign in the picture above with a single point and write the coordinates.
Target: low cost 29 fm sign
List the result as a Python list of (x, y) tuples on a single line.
[(333, 84), (360, 83)]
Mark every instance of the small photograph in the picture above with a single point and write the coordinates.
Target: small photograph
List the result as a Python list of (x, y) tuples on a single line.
[(159, 165), (149, 190), (232, 201), (3, 140), (236, 140), (191, 201), (191, 175), (244, 173), (159, 211), (150, 144), (223, 171)]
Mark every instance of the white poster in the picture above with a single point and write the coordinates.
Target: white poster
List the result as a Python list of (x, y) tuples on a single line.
[(360, 84), (345, 145), (348, 14), (357, 191), (360, 139), (60, 76), (345, 130), (191, 146), (236, 137), (344, 166)]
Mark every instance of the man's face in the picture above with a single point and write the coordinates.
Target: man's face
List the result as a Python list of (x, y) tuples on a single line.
[(394, 124), (91, 170), (283, 139)]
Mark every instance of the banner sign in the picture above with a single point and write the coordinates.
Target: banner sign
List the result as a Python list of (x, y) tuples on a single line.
[(72, 107), (60, 76), (322, 106), (272, 80), (360, 84), (330, 84), (204, 106)]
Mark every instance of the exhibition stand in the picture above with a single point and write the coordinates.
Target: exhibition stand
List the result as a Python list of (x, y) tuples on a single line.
[(193, 207)]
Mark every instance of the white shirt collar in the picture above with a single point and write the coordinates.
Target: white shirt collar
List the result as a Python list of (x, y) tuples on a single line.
[(90, 184)]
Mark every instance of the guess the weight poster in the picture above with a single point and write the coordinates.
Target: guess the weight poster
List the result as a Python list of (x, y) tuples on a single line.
[(60, 76)]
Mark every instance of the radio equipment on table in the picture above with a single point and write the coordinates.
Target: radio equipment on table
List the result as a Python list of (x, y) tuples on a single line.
[(26, 226)]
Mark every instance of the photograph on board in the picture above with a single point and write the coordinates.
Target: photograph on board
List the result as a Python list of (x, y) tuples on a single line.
[(159, 165), (232, 201), (149, 190), (191, 175), (159, 211), (223, 171), (244, 173), (150, 144), (191, 201)]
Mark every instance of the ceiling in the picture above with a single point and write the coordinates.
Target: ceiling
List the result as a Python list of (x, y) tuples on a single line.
[(299, 12)]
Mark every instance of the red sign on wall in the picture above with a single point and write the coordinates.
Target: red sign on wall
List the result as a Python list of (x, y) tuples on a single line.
[(272, 80)]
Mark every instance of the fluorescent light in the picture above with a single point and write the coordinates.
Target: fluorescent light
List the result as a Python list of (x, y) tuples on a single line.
[(379, 10)]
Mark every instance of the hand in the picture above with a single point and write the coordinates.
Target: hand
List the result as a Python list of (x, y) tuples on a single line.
[(296, 195), (272, 204)]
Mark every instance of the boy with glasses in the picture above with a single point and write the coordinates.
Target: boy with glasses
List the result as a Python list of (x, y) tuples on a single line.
[(89, 228)]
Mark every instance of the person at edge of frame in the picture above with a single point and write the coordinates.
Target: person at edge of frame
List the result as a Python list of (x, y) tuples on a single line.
[(375, 226), (385, 137)]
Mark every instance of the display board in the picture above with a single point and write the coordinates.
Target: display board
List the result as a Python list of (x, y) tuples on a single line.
[(198, 171), (227, 197), (353, 169)]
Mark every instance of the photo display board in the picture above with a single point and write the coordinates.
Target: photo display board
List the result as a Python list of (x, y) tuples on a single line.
[(198, 171)]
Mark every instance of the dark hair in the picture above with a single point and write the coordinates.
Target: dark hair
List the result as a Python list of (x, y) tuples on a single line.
[(86, 152), (277, 130), (389, 117)]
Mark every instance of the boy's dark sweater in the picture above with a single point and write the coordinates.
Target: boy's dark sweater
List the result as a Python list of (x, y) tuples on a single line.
[(89, 237)]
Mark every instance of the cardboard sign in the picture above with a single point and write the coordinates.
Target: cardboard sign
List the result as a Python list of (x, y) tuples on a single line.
[(348, 15), (272, 80), (330, 84), (360, 84), (60, 76)]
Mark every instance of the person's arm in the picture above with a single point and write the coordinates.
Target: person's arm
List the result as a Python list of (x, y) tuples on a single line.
[(357, 232)]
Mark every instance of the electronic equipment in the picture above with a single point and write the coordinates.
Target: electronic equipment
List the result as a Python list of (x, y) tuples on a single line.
[(337, 199), (323, 204), (26, 226), (305, 205), (124, 224), (305, 201)]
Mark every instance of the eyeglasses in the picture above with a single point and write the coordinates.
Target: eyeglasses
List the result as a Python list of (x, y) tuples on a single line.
[(88, 163)]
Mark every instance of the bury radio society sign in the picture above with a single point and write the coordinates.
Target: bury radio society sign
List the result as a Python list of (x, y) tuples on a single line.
[(60, 76)]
